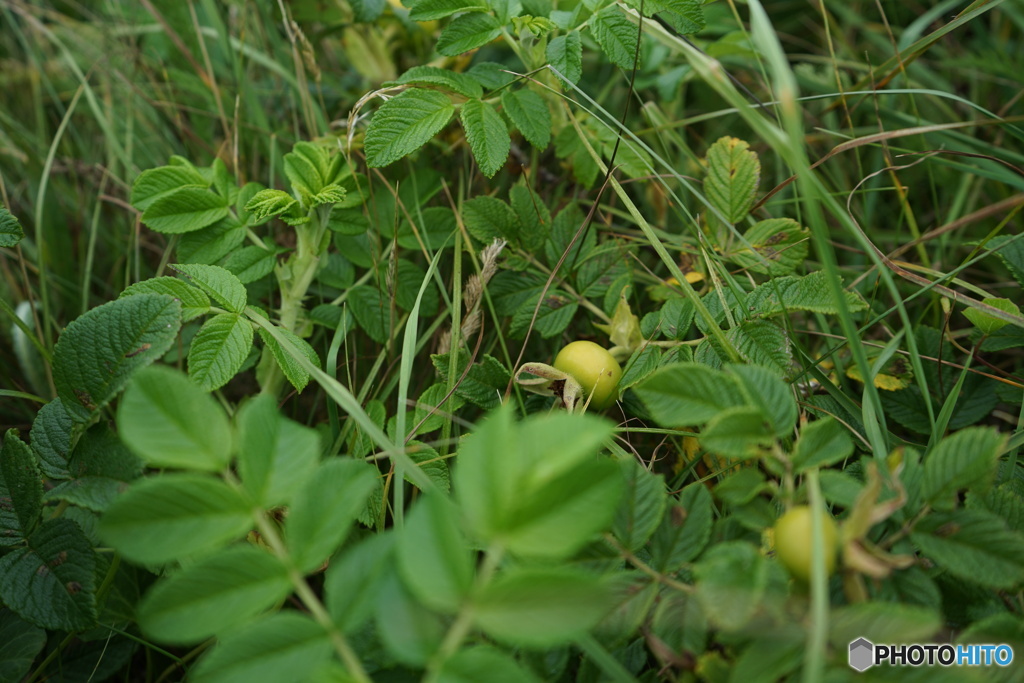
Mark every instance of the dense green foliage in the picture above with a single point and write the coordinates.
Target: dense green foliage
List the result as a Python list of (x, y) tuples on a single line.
[(283, 285)]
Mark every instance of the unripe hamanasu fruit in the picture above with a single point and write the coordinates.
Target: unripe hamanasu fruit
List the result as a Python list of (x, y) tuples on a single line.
[(794, 541), (594, 368)]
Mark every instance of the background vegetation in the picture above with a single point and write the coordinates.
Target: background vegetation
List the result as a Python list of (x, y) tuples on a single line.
[(813, 206)]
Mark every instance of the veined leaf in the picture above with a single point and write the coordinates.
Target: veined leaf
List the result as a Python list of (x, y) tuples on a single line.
[(371, 310), (220, 283), (171, 516), (739, 432), (21, 490), (554, 315), (294, 372), (212, 243), (213, 595), (452, 81), (763, 343), (267, 203), (684, 530), (798, 293), (51, 581), (489, 218), (194, 302), (822, 443), (688, 394), (466, 32), (685, 16), (616, 35), (487, 136), (251, 263), (731, 580), (734, 172), (405, 123), (529, 113), (275, 455), (98, 352), (427, 10), (988, 323), (484, 663), (641, 509), (973, 545), (170, 422), (184, 210), (434, 559), (965, 460), (156, 183), (51, 439), (565, 54), (218, 350), (11, 231), (777, 247)]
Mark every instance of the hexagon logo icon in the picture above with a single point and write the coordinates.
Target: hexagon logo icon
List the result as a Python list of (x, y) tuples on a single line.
[(862, 654)]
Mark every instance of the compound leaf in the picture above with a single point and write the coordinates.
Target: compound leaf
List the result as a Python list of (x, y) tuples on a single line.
[(405, 123), (487, 135)]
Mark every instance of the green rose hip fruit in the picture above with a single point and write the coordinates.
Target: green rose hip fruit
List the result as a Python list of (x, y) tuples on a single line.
[(794, 541), (594, 368)]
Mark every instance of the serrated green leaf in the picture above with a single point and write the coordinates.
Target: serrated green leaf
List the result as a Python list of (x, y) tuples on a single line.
[(777, 246), (434, 559), (489, 218), (409, 631), (731, 579), (553, 317), (641, 365), (169, 422), (688, 394), (99, 351), (156, 183), (428, 10), (282, 646), (371, 310), (616, 35), (763, 343), (323, 512), (408, 279), (1010, 250), (466, 32), (988, 323), (90, 493), (213, 595), (532, 214), (51, 582), (785, 295), (772, 396), (184, 210), (194, 302), (563, 230), (11, 231), (565, 54), (822, 442), (21, 488), (168, 517), (641, 508), (484, 383), (892, 622), (295, 373), (738, 432), (973, 545), (685, 16), (251, 263), (305, 171), (487, 136), (964, 460), (541, 607), (212, 243), (218, 350), (529, 113), (267, 203), (51, 439), (220, 283), (405, 123), (452, 81), (734, 172)]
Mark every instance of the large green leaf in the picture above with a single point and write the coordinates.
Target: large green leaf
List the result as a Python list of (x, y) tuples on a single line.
[(169, 422), (565, 54), (353, 580), (542, 607), (295, 373), (822, 442), (489, 218), (529, 113), (186, 209), (763, 343), (738, 432), (11, 231), (466, 32), (221, 284), (194, 302), (973, 545), (641, 508), (156, 183), (275, 455), (427, 10), (212, 243), (371, 310), (21, 488), (784, 295), (484, 663), (552, 317), (965, 460), (325, 508), (776, 246), (434, 559), (444, 78), (218, 350), (733, 175), (214, 594), (171, 516), (51, 439), (487, 135), (684, 530), (731, 579), (20, 644), (286, 646), (51, 581), (688, 394), (98, 352), (616, 35), (405, 123)]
